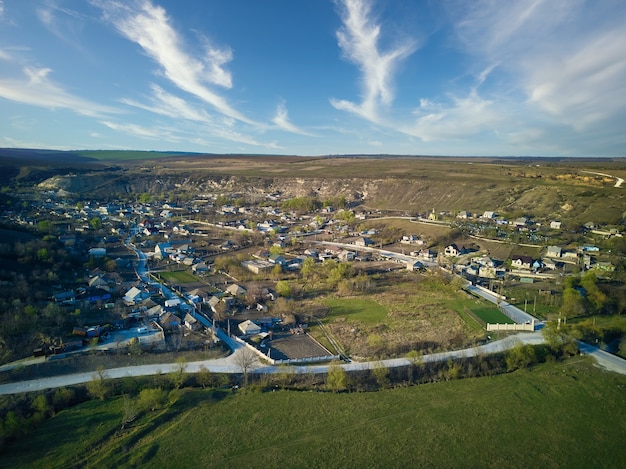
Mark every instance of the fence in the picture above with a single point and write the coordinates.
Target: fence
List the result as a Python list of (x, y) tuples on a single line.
[(289, 361), (529, 326)]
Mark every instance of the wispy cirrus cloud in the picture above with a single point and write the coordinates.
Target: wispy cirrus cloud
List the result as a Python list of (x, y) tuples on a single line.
[(281, 119), (458, 118), (150, 27), (37, 89), (566, 56), (63, 22), (359, 40), (166, 104)]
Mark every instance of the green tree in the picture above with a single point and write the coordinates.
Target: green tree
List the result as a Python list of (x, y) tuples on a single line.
[(520, 356), (95, 223), (558, 338), (41, 405), (283, 288), (42, 254), (381, 375), (572, 303), (177, 377), (145, 198), (98, 388), (44, 226), (62, 398), (337, 378), (205, 378), (152, 399), (308, 267), (277, 250), (594, 297)]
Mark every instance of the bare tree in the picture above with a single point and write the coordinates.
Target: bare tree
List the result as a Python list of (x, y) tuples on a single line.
[(245, 359), (130, 411)]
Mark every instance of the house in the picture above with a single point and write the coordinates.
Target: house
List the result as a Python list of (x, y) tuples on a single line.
[(135, 295), (213, 302), (67, 297), (200, 267), (162, 250), (99, 282), (425, 254), (98, 252), (555, 225), (169, 321), (347, 256), (488, 216), (452, 250), (520, 222), (256, 267), (414, 266), (521, 262), (411, 239), (236, 290), (249, 328), (192, 323), (154, 311), (553, 251), (277, 259), (363, 241), (464, 215)]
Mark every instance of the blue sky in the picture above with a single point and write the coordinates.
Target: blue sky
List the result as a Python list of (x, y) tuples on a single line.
[(315, 77)]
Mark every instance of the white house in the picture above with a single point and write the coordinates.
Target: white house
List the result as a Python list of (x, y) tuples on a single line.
[(249, 328)]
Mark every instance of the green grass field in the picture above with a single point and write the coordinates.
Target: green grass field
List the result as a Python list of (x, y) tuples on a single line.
[(568, 414), (492, 315), (181, 276), (367, 311)]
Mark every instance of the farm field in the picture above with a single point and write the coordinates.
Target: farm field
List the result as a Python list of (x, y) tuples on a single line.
[(521, 419)]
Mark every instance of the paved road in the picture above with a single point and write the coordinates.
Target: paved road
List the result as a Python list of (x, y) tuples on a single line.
[(229, 365), (606, 360)]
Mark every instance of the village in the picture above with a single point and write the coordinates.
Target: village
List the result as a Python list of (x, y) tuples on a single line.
[(167, 275)]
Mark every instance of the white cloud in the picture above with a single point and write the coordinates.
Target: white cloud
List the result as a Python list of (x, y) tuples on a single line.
[(461, 118), (587, 85), (359, 41), (39, 90), (282, 121), (566, 56), (167, 104), (150, 27), (137, 130), (64, 23)]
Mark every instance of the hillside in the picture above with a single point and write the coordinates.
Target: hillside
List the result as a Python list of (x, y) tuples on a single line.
[(567, 414), (550, 190)]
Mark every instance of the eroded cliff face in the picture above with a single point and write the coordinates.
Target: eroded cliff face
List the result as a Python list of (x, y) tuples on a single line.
[(108, 185), (401, 194)]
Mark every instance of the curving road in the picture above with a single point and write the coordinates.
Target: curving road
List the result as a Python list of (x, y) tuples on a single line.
[(229, 365)]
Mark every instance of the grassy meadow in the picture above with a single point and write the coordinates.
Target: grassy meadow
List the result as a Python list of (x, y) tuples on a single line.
[(565, 414)]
